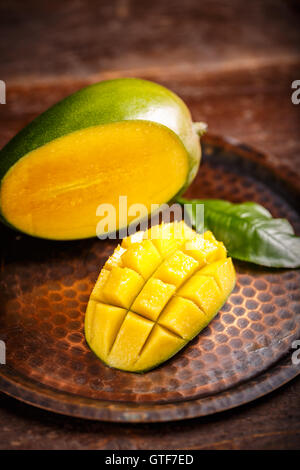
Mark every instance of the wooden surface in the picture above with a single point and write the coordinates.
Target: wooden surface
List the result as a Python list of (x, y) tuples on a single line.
[(233, 63)]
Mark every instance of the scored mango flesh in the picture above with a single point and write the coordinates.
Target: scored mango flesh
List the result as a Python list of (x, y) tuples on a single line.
[(54, 191), (156, 292)]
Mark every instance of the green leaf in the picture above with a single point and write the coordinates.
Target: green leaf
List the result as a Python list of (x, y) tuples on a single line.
[(248, 231)]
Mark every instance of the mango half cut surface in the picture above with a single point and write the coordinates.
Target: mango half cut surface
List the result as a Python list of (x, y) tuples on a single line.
[(156, 292), (123, 137)]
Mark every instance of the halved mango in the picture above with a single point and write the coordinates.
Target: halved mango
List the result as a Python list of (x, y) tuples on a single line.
[(161, 294), (123, 137), (54, 191)]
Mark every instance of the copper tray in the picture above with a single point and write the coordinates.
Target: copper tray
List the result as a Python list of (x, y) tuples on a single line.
[(243, 354)]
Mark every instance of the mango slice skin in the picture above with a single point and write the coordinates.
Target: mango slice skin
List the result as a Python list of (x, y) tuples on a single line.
[(63, 132), (134, 323)]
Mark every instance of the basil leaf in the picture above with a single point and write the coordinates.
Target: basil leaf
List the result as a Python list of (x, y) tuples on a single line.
[(248, 231)]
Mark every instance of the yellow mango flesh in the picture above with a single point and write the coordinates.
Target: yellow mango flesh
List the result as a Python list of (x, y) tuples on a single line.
[(154, 295), (54, 191)]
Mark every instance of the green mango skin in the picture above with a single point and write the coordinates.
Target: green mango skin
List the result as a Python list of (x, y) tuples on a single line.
[(102, 103)]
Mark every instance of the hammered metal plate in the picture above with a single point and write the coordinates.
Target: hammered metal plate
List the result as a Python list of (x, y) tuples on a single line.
[(244, 353)]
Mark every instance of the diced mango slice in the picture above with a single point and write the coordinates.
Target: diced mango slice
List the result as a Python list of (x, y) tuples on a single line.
[(165, 246), (142, 257), (155, 294), (183, 317), (152, 299), (115, 259), (204, 291), (130, 338), (106, 323), (161, 345), (122, 286), (176, 269)]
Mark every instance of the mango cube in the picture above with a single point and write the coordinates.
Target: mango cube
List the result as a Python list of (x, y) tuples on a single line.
[(223, 273), (115, 259), (200, 249), (106, 324), (183, 317), (168, 237), (122, 286), (161, 344), (142, 257), (153, 297), (89, 318), (177, 268), (204, 292), (97, 292), (221, 252), (131, 239), (130, 338)]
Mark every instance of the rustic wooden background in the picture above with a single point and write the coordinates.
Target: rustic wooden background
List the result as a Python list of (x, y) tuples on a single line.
[(233, 62)]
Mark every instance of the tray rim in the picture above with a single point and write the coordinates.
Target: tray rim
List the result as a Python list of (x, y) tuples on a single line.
[(47, 398), (123, 412)]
